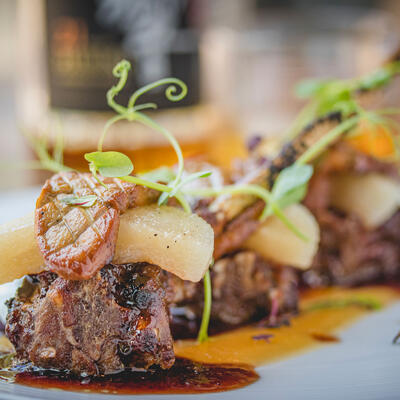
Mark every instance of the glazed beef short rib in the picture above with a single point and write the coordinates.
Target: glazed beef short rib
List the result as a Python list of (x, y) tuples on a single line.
[(118, 319)]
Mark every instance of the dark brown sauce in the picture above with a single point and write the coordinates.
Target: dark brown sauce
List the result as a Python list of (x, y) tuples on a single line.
[(184, 377), (324, 337)]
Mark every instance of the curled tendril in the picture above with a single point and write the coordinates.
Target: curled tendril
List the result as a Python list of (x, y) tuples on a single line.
[(131, 112), (146, 106), (121, 71), (170, 91)]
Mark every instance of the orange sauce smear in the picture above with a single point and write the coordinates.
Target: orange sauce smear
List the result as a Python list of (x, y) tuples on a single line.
[(239, 346)]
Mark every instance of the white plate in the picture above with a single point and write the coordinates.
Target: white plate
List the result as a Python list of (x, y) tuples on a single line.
[(364, 365)]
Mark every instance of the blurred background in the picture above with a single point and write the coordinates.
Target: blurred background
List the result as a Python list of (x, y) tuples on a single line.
[(240, 59)]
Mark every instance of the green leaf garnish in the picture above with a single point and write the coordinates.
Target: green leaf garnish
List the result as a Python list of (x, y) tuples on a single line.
[(295, 196), (369, 303), (327, 96), (205, 320), (290, 185), (310, 87), (289, 188), (379, 77), (82, 201), (111, 164), (162, 174), (46, 160), (175, 91), (183, 182)]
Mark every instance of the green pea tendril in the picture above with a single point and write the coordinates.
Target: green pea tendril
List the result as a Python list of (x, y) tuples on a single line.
[(328, 96), (118, 165)]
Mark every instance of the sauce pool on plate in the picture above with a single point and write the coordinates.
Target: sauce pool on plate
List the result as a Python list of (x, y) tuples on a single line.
[(226, 361), (185, 376)]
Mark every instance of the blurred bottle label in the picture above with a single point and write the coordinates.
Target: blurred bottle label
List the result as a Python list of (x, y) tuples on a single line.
[(85, 39)]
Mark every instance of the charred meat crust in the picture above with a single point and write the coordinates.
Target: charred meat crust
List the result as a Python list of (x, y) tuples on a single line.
[(75, 241), (292, 150), (118, 319)]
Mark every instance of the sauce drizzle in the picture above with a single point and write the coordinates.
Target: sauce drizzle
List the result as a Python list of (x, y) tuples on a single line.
[(184, 377)]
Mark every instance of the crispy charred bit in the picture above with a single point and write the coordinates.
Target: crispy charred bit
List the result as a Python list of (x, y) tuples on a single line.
[(76, 241), (118, 319), (292, 150), (235, 218)]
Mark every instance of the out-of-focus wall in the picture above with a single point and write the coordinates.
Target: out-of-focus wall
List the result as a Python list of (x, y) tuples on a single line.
[(258, 51), (7, 38), (253, 52), (12, 147)]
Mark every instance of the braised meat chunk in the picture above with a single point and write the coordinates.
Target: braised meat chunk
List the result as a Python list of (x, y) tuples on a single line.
[(350, 253), (245, 288), (78, 241), (118, 319), (124, 315)]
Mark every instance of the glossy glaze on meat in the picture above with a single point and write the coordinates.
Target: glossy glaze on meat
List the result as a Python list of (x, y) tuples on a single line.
[(118, 319), (78, 241)]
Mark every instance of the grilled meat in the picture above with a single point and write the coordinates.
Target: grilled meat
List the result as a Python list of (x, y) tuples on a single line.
[(349, 253), (75, 241), (118, 319)]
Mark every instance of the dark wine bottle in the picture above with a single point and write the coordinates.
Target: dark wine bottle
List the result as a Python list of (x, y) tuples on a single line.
[(67, 52)]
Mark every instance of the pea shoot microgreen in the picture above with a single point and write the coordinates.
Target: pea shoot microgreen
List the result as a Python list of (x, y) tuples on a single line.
[(368, 303), (82, 201), (290, 186), (162, 174), (132, 112), (205, 319), (50, 161), (171, 183), (110, 164), (328, 96), (174, 187)]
